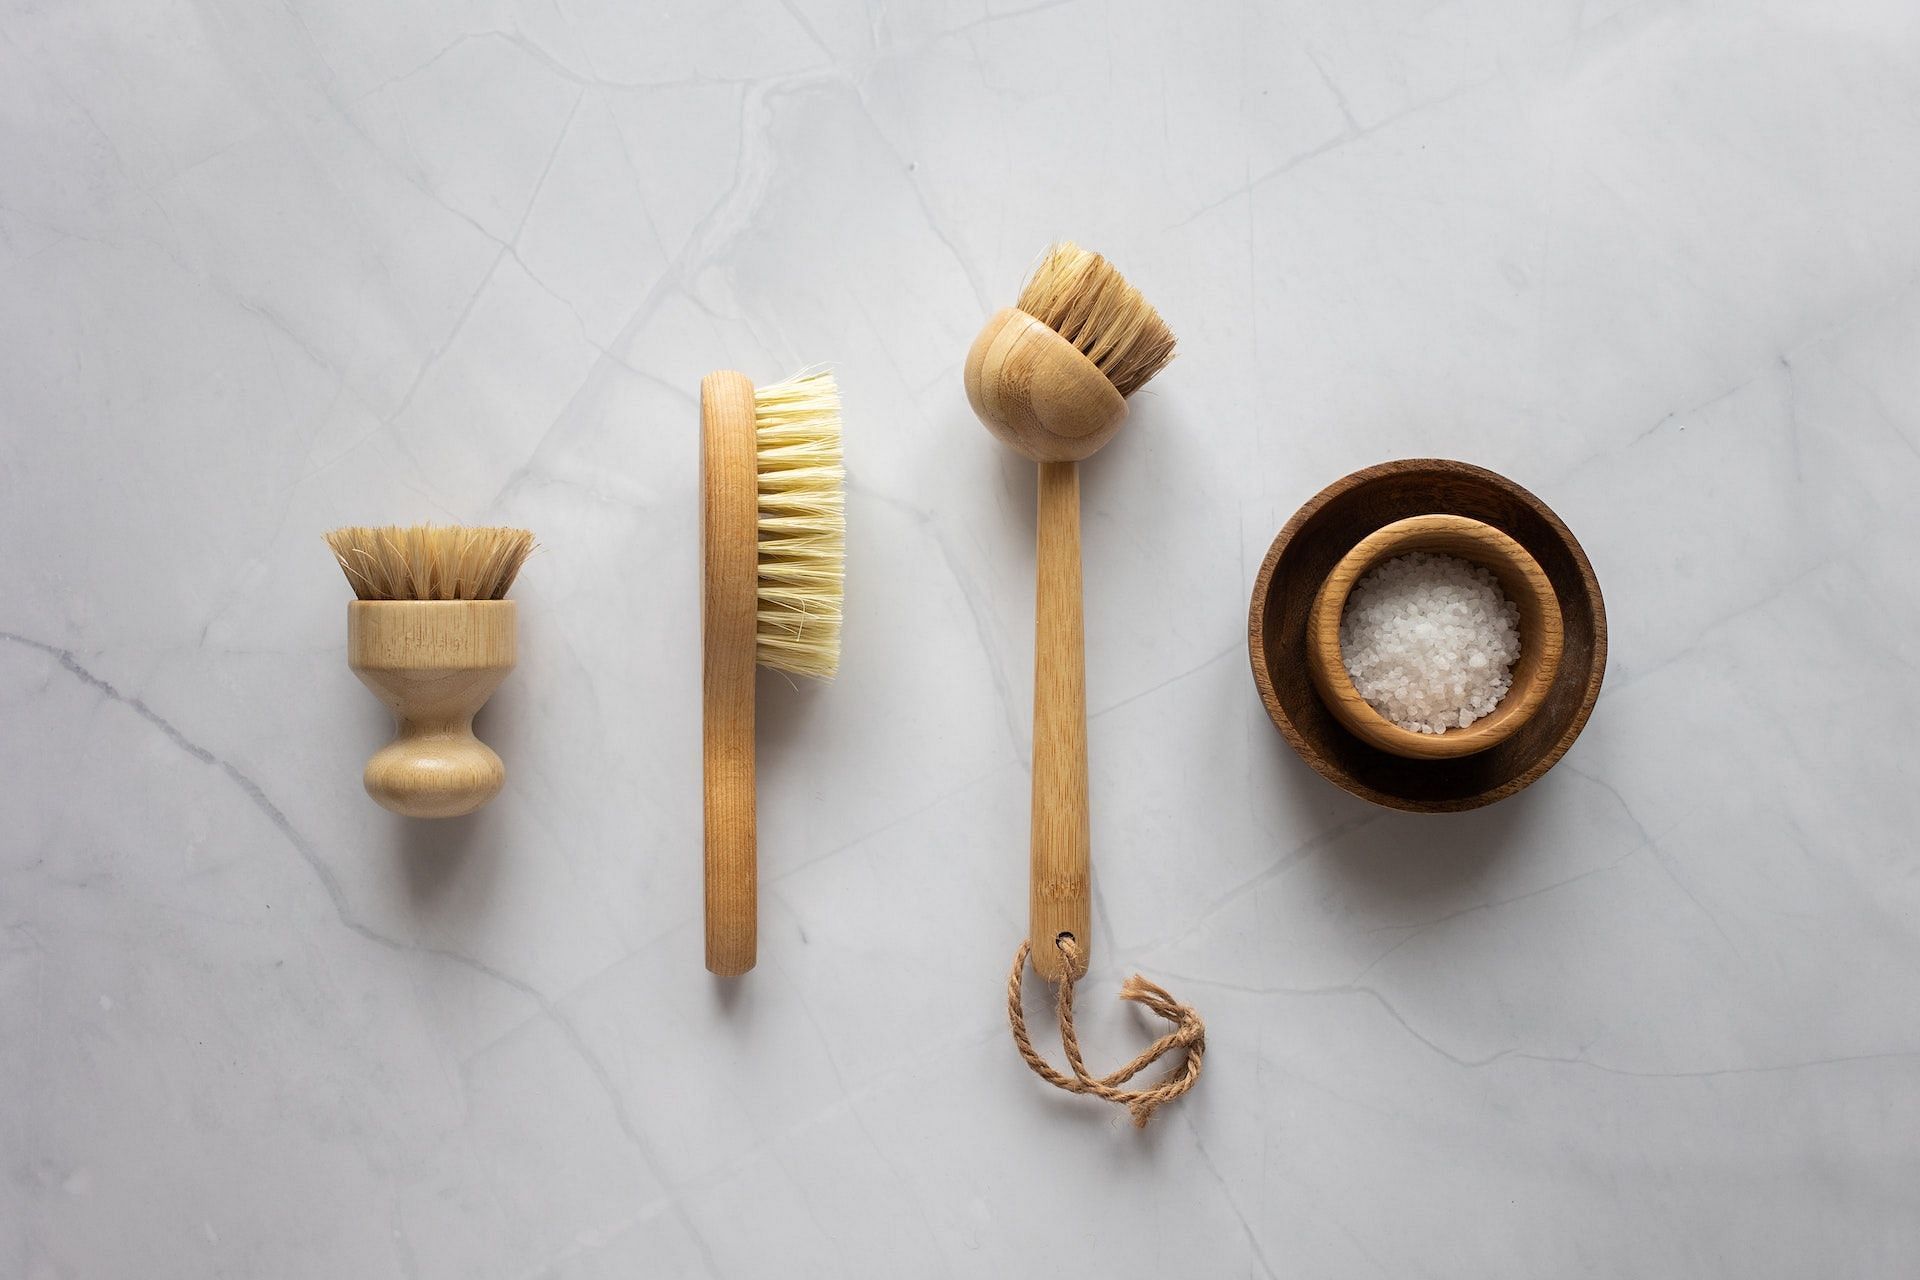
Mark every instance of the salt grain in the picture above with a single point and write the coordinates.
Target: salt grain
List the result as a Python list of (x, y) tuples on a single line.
[(1430, 641)]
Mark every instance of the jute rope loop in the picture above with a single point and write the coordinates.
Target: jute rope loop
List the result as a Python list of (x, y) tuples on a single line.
[(1189, 1034)]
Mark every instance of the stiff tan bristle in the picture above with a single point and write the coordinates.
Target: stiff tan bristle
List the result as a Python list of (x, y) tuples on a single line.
[(429, 562), (1080, 296), (803, 525)]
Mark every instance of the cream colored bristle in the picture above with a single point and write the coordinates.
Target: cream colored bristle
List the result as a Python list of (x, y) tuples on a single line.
[(803, 525), (430, 562), (1080, 296)]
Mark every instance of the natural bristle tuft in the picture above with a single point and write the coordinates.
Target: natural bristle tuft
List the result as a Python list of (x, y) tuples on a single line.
[(803, 525), (429, 562), (1080, 296)]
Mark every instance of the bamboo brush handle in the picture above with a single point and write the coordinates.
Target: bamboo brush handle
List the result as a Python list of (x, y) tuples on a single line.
[(1059, 870), (729, 490), (434, 769), (434, 663)]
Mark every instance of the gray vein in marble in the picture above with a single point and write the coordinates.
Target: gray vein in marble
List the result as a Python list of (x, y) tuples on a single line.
[(1227, 1197), (1169, 681), (1345, 138), (1274, 870), (330, 884)]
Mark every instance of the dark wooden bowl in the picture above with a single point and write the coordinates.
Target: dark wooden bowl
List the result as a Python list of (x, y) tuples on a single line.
[(1315, 540)]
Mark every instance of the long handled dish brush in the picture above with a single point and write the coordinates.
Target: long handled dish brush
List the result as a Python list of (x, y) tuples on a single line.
[(1050, 377), (433, 635), (773, 549)]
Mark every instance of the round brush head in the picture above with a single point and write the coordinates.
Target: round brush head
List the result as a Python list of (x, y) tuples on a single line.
[(1050, 377), (433, 636), (1083, 298), (430, 562)]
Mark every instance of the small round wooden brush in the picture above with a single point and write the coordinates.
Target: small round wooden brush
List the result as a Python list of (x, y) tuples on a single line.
[(1050, 378), (433, 637), (773, 550)]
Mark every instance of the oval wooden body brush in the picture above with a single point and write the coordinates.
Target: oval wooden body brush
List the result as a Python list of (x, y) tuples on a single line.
[(1050, 377), (772, 553), (433, 636)]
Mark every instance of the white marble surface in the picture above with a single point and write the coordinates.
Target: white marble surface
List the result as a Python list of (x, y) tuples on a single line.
[(269, 268)]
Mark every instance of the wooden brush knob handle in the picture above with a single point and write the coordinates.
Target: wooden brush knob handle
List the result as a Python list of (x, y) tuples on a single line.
[(434, 771), (1059, 889), (434, 663), (1037, 392)]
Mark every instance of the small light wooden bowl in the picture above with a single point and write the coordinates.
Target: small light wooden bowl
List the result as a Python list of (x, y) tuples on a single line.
[(1316, 539), (1520, 577)]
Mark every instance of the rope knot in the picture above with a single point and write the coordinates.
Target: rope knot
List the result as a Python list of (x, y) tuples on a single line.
[(1189, 1036)]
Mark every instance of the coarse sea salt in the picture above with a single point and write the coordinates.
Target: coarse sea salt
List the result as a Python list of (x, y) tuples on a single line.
[(1430, 641)]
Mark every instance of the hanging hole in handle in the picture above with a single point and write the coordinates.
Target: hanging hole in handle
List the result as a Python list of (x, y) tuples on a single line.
[(1072, 963)]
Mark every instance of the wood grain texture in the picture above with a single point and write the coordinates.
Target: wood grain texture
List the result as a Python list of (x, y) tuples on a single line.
[(1059, 894), (1305, 552), (1037, 393), (1520, 577), (434, 663), (729, 535)]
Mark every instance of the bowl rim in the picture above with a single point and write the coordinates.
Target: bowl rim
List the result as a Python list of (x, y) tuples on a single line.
[(1257, 640), (1343, 699)]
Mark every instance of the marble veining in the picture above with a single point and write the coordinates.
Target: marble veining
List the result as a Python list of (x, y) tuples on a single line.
[(267, 269)]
